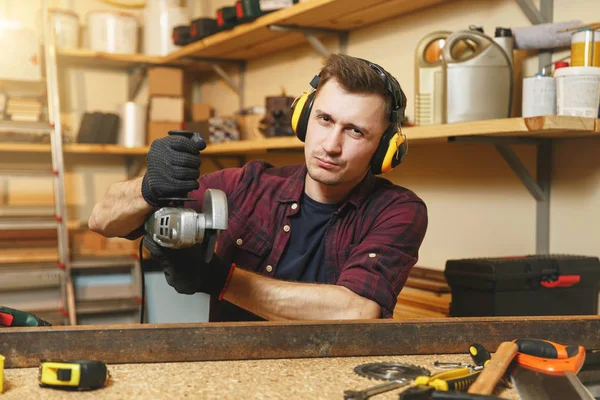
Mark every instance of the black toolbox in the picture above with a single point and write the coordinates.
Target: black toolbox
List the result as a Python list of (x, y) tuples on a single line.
[(527, 285)]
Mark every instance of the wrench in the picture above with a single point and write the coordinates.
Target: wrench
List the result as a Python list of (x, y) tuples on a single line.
[(372, 391)]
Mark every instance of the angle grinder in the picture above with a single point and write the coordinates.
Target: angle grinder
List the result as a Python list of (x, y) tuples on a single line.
[(176, 227)]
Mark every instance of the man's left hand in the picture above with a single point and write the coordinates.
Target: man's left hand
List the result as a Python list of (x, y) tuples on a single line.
[(187, 272)]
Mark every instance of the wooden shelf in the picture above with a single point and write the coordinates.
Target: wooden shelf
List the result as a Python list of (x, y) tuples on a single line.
[(86, 57), (255, 39), (552, 126), (95, 59), (75, 148)]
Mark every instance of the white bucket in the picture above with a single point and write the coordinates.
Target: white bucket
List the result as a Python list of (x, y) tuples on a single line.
[(66, 28), (539, 96), (160, 17), (112, 32), (132, 126), (578, 91)]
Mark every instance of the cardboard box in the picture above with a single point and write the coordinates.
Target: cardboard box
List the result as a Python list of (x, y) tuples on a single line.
[(166, 109), (157, 130), (248, 126), (202, 112), (164, 81)]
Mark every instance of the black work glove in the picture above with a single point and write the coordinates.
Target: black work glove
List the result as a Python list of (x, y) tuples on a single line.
[(173, 168), (186, 270)]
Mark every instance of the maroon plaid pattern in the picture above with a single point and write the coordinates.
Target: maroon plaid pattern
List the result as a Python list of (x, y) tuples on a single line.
[(371, 245)]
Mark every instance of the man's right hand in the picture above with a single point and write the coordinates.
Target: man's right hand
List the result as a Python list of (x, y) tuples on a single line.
[(173, 168)]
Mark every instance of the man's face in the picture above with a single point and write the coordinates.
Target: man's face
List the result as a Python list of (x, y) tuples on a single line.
[(343, 132)]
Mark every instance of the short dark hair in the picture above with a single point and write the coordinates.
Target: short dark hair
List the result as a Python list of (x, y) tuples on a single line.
[(356, 76)]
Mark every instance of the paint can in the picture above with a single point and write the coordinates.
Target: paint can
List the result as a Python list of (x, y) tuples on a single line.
[(578, 91), (539, 96)]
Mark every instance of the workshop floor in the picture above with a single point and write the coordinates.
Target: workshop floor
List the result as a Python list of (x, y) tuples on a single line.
[(315, 378)]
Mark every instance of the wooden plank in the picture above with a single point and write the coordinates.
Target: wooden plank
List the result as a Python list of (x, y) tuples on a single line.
[(425, 284), (116, 344), (38, 255), (427, 273), (439, 303), (405, 310)]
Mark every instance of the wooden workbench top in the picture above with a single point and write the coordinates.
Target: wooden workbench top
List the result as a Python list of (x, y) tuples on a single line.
[(307, 378)]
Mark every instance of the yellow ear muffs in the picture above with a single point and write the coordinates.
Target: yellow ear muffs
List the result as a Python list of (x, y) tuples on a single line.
[(390, 152), (301, 114), (302, 107)]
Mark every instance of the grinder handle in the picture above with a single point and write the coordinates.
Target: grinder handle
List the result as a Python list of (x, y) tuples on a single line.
[(195, 136)]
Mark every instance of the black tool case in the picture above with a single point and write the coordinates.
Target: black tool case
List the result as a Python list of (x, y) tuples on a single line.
[(528, 285)]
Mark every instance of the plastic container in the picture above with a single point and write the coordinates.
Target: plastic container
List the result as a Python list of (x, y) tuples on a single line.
[(160, 17), (539, 96), (66, 28), (517, 286), (585, 48), (578, 91), (132, 127), (112, 32)]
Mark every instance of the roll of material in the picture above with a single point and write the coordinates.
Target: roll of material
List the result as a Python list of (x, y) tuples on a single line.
[(539, 96), (132, 131), (160, 17), (544, 36)]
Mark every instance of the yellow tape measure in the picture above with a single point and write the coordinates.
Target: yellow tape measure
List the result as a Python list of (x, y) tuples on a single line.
[(73, 375)]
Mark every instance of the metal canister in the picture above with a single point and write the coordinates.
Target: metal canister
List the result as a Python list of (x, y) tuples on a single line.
[(539, 96)]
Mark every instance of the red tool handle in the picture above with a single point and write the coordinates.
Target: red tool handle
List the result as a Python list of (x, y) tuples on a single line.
[(549, 357), (562, 281)]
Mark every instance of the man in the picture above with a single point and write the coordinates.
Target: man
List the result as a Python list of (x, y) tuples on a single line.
[(324, 240)]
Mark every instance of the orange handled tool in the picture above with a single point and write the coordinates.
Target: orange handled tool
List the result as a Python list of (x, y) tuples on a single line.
[(549, 357)]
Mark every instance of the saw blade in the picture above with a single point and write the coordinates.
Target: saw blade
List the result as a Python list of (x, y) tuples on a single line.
[(390, 371)]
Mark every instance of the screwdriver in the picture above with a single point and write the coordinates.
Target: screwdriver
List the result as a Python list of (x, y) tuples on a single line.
[(12, 317)]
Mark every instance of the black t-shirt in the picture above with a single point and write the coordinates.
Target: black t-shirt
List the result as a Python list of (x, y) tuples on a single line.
[(303, 258)]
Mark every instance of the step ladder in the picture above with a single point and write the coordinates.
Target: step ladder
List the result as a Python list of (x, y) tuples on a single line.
[(30, 271)]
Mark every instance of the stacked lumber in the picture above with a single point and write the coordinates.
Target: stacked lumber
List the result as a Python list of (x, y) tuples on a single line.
[(425, 295)]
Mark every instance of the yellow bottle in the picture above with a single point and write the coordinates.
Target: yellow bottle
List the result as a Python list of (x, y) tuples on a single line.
[(585, 48)]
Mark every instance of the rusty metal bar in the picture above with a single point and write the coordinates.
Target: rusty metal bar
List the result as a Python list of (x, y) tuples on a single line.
[(153, 343)]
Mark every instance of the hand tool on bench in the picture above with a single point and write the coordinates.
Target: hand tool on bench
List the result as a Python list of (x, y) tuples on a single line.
[(397, 375), (73, 375), (494, 369), (453, 380), (1, 373), (11, 317), (544, 370)]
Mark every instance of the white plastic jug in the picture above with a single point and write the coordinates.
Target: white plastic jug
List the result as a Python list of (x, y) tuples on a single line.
[(478, 78), (429, 93)]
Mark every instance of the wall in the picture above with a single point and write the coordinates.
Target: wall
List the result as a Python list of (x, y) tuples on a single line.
[(477, 207)]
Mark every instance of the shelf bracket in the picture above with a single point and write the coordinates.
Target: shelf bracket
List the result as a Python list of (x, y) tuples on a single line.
[(311, 36), (539, 188), (135, 80), (542, 16), (216, 65)]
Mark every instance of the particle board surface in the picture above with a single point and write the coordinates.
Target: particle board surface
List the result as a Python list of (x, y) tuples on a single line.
[(315, 378)]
